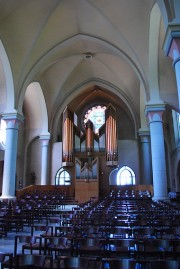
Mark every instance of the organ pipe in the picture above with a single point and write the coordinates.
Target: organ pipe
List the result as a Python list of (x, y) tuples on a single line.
[(68, 136), (89, 136), (111, 136)]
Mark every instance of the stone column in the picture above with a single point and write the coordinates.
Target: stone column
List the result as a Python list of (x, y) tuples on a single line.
[(44, 159), (171, 48), (9, 178), (146, 166), (154, 114), (174, 53)]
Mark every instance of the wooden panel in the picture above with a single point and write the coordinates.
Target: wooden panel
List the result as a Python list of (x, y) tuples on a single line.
[(46, 188), (85, 190), (134, 187)]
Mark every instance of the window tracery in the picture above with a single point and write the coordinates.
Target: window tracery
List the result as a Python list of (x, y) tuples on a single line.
[(97, 115)]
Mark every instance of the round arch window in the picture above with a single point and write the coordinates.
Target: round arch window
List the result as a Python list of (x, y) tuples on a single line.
[(62, 177), (125, 176)]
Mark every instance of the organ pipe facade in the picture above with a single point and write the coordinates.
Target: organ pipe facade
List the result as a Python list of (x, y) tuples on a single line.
[(68, 137), (85, 141), (89, 136), (111, 136)]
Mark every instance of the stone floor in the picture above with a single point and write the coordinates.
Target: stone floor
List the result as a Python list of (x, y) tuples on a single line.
[(7, 243)]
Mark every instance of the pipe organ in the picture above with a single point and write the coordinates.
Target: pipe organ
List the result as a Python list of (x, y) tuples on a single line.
[(86, 168), (87, 142), (87, 151)]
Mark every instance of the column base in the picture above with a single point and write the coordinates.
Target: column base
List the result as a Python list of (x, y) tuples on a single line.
[(157, 198), (7, 197)]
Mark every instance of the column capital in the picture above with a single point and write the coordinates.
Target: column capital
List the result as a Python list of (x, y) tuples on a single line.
[(45, 139), (172, 33), (12, 117), (155, 112), (45, 136), (154, 108), (13, 120), (144, 132), (174, 52), (144, 136)]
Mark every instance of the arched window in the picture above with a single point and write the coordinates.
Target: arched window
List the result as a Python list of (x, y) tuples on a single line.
[(63, 177), (125, 176), (97, 115)]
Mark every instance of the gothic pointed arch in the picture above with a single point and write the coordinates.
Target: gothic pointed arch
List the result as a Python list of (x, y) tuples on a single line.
[(6, 82)]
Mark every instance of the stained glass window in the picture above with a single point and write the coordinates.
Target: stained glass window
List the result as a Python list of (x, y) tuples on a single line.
[(97, 115)]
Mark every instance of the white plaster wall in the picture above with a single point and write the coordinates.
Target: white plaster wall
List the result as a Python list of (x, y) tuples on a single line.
[(128, 154), (35, 160), (56, 160)]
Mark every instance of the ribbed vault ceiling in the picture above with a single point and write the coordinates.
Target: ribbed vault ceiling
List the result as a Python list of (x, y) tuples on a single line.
[(48, 41)]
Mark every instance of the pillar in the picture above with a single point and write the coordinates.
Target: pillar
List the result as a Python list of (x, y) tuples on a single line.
[(44, 159), (174, 53), (9, 175), (154, 114), (171, 48), (146, 167)]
